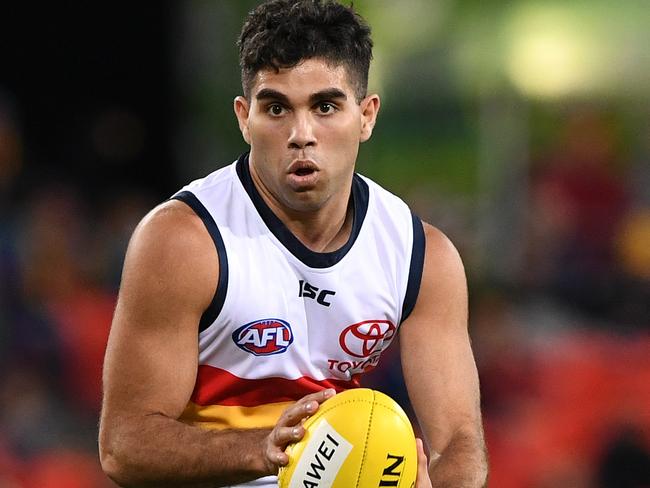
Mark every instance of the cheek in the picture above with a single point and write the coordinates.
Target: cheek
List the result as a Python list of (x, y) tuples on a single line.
[(344, 143), (342, 132), (265, 135), (341, 141)]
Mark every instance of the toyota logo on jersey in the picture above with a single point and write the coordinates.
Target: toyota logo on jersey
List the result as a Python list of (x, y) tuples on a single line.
[(264, 337), (365, 338)]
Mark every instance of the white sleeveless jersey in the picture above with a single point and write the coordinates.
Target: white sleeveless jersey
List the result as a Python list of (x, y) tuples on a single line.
[(286, 321)]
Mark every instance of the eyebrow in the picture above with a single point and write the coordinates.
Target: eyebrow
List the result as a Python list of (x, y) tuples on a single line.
[(269, 94), (327, 94)]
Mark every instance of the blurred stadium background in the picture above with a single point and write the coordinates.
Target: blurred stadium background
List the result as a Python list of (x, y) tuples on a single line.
[(521, 129)]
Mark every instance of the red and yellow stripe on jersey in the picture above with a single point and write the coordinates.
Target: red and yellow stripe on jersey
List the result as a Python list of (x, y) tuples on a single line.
[(222, 400)]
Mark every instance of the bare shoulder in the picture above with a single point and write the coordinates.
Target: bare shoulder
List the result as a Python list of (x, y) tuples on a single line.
[(169, 279), (171, 247), (440, 251), (174, 222), (173, 229), (443, 289)]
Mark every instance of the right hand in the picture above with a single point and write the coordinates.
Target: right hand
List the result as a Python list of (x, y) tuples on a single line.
[(423, 480), (289, 428)]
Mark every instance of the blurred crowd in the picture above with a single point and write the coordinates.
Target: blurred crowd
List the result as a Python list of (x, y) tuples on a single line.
[(562, 337), (564, 348), (562, 344), (60, 262)]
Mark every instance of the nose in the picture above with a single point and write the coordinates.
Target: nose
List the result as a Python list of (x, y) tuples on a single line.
[(302, 132)]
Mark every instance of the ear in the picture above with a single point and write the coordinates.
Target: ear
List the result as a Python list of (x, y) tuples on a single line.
[(241, 111), (369, 110)]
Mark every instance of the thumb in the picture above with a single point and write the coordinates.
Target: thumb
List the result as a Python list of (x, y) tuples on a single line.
[(423, 480), (422, 457)]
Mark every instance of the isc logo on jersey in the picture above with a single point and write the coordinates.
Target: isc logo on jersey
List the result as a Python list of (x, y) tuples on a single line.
[(264, 337)]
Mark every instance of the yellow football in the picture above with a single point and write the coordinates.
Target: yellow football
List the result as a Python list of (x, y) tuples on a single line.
[(360, 438)]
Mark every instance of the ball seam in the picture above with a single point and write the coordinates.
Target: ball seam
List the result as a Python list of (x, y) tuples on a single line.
[(365, 444), (400, 414), (376, 400), (319, 413)]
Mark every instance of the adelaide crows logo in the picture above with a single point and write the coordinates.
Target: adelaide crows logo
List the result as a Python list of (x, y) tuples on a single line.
[(264, 337)]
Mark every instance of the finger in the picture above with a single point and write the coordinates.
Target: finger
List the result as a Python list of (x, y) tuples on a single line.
[(318, 397), (423, 480), (296, 412), (281, 436), (277, 456), (283, 458), (304, 407), (422, 456)]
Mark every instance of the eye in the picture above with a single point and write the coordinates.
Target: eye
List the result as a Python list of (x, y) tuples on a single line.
[(275, 109), (325, 107)]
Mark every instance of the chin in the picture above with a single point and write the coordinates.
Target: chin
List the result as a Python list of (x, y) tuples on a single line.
[(305, 201)]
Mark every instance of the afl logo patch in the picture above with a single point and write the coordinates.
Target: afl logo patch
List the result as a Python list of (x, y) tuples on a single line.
[(264, 337), (365, 338)]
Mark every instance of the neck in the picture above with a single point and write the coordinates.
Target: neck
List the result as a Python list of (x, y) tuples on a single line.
[(320, 231), (325, 229)]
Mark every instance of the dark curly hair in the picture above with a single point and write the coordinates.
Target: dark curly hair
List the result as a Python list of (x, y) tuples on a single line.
[(282, 33)]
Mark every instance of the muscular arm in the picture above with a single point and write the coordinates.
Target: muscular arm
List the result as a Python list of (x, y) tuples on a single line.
[(170, 276), (440, 372)]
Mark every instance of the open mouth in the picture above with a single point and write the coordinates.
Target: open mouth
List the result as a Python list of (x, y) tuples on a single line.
[(303, 174), (304, 171), (304, 167)]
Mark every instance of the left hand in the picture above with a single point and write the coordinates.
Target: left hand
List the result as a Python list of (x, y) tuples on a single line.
[(423, 480)]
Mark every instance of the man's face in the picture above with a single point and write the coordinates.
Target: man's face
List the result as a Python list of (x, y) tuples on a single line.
[(304, 127)]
